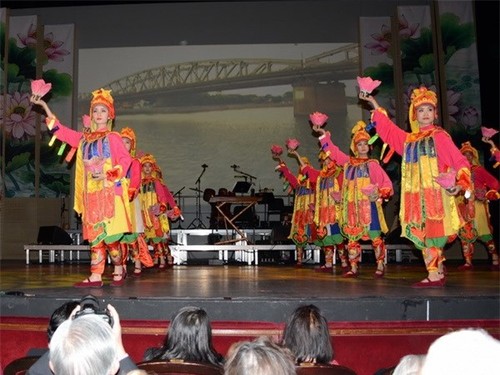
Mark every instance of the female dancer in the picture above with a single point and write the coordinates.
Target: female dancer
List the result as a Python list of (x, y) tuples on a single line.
[(135, 240), (365, 185), (101, 189), (429, 216)]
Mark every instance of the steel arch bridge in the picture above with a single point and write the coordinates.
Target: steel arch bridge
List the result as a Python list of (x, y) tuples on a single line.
[(229, 74)]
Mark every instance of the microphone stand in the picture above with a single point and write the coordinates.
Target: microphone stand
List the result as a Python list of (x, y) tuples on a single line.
[(197, 223), (179, 199)]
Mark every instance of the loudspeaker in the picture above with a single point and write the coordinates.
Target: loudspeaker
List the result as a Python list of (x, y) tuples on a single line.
[(53, 235)]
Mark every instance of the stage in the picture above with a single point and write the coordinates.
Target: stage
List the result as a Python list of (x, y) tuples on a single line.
[(239, 292), (383, 319)]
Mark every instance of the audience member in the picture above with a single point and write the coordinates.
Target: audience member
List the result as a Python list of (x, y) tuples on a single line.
[(189, 338), (410, 364), (306, 335), (260, 356), (61, 314), (467, 351), (78, 351)]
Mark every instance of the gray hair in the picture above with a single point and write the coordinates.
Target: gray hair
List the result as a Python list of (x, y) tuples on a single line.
[(83, 346), (261, 356), (463, 352), (410, 364)]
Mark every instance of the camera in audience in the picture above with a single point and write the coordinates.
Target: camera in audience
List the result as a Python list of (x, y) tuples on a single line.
[(90, 305)]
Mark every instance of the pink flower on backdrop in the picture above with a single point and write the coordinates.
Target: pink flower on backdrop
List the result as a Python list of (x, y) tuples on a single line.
[(28, 39), (19, 120), (447, 179), (53, 48), (292, 144), (318, 118), (39, 87), (488, 132), (470, 117), (383, 39), (367, 84), (276, 150)]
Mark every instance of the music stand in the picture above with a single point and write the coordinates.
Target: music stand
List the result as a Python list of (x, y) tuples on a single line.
[(242, 187)]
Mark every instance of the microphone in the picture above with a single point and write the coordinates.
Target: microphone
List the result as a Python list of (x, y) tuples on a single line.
[(204, 166), (235, 166)]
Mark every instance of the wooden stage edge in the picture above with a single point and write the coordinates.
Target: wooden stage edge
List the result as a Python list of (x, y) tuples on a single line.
[(238, 292)]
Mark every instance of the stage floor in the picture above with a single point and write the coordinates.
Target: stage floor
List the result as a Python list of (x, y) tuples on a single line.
[(238, 292)]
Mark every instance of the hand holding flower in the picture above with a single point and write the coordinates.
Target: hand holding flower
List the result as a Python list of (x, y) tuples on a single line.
[(367, 85), (318, 120), (292, 144)]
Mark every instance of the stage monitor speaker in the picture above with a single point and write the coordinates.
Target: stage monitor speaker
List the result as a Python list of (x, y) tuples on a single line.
[(53, 235)]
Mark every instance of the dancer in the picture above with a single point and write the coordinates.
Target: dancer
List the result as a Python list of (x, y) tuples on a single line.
[(101, 189), (302, 230), (134, 240), (429, 216), (365, 186), (327, 182), (154, 205), (475, 211)]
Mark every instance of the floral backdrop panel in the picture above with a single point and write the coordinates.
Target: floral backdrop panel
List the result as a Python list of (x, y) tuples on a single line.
[(3, 30), (462, 71), (376, 56), (57, 59), (19, 119)]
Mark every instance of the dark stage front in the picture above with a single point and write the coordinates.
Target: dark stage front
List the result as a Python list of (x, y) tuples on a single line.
[(238, 292)]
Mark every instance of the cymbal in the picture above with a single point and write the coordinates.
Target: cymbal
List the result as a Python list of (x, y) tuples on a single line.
[(197, 190)]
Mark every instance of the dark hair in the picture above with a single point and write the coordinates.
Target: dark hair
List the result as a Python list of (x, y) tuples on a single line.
[(61, 314), (189, 337), (306, 335)]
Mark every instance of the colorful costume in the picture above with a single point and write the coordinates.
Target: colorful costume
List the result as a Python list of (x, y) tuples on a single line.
[(328, 182), (135, 240), (102, 204), (155, 199), (303, 229), (475, 211), (362, 219), (428, 215)]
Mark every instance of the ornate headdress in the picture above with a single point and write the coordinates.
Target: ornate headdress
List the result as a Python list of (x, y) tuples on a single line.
[(130, 134), (148, 158), (467, 147), (103, 97), (359, 133), (420, 96)]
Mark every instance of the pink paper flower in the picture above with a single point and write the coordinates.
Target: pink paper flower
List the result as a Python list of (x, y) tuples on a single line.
[(367, 85), (40, 88), (369, 189), (318, 118), (488, 132), (292, 144), (86, 121), (446, 180), (276, 150)]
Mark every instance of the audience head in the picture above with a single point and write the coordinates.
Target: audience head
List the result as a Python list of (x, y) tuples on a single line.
[(410, 364), (82, 346), (189, 337), (306, 335), (61, 314), (467, 351), (261, 356)]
